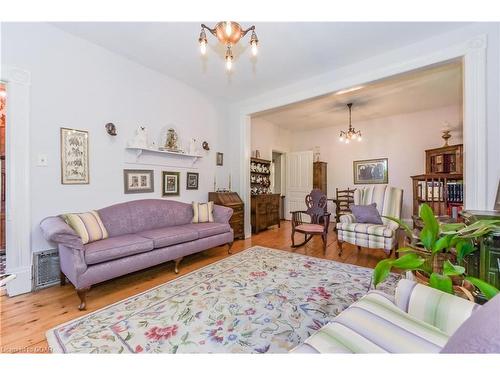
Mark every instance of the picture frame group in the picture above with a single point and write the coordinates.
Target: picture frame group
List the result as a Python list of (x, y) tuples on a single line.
[(137, 181)]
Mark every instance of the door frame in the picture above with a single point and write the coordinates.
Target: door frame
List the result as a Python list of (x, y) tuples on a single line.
[(472, 51), (18, 200)]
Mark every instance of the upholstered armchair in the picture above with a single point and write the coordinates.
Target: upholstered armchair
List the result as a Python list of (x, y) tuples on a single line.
[(389, 202)]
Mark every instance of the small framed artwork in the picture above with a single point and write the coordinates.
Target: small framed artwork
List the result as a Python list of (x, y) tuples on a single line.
[(138, 181), (192, 181), (74, 156), (219, 159), (372, 171), (170, 183)]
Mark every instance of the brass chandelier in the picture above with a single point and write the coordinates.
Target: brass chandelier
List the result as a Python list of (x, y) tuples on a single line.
[(351, 134), (228, 33)]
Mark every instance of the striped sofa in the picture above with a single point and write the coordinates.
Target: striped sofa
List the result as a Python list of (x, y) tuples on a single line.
[(389, 203), (418, 319)]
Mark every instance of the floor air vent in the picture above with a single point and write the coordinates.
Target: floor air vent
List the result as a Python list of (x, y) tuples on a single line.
[(46, 268)]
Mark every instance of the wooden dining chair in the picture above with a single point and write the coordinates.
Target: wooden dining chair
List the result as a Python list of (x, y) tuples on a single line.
[(318, 221), (344, 199)]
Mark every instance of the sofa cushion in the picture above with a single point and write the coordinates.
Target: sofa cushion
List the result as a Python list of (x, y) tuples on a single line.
[(366, 213), (203, 212), (374, 229), (87, 225), (208, 229), (116, 247), (168, 236)]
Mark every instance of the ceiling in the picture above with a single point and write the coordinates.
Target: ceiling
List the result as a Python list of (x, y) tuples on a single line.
[(288, 51), (419, 90)]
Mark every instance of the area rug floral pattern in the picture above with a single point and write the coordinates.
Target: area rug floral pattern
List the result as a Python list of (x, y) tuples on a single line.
[(258, 301)]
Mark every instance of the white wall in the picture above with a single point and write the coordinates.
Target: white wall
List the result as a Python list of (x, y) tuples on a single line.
[(267, 137), (401, 138), (79, 85)]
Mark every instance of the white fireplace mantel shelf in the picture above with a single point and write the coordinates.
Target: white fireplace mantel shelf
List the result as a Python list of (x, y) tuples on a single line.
[(139, 151)]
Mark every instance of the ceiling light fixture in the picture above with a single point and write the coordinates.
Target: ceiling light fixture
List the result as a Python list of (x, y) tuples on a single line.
[(228, 33), (351, 134)]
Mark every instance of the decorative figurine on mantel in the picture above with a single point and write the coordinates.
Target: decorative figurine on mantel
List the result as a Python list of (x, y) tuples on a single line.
[(193, 146), (141, 138), (171, 141), (446, 135)]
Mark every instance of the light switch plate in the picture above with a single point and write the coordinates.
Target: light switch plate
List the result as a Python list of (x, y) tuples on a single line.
[(42, 160)]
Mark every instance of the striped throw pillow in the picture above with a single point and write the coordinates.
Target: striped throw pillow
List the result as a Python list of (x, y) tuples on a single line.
[(87, 225), (203, 212)]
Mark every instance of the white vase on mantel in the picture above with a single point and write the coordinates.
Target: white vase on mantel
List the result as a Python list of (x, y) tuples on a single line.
[(193, 146)]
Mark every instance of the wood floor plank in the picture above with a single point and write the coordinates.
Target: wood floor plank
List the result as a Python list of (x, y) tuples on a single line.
[(25, 319)]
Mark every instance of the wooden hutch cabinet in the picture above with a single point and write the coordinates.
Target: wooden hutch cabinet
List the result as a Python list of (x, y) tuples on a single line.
[(232, 200), (320, 176), (441, 186), (265, 206)]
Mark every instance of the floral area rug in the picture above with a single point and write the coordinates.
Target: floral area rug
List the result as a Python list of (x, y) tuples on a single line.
[(260, 300)]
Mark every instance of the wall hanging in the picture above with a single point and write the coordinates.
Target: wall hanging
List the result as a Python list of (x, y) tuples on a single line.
[(74, 156)]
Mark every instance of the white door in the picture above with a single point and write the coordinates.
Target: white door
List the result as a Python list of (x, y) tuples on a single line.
[(299, 180)]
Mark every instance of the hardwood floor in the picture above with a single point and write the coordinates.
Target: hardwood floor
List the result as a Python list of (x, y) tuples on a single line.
[(25, 318)]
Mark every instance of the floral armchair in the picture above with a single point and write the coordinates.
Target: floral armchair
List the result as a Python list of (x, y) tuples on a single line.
[(389, 202)]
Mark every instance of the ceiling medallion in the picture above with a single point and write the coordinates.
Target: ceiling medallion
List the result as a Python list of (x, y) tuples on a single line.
[(351, 134), (228, 33)]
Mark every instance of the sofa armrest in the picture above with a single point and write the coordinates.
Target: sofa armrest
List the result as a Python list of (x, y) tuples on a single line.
[(347, 218), (56, 230), (442, 310), (222, 214)]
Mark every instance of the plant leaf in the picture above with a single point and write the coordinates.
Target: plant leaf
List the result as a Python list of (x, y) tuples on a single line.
[(430, 221), (450, 228), (464, 247), (408, 262), (381, 271), (442, 243), (449, 269), (427, 238), (488, 290), (441, 282)]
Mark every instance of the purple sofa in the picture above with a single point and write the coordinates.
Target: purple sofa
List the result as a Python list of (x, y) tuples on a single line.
[(142, 233)]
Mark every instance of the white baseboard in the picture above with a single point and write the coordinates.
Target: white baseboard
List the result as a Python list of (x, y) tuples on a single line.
[(21, 284)]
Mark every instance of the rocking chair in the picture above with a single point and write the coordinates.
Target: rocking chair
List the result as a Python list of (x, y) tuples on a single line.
[(319, 219)]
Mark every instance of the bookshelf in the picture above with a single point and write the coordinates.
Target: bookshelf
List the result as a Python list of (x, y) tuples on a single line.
[(442, 185), (443, 192)]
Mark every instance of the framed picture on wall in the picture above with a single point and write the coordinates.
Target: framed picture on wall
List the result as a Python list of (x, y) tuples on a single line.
[(192, 181), (138, 181), (372, 171), (219, 159), (170, 183), (74, 156)]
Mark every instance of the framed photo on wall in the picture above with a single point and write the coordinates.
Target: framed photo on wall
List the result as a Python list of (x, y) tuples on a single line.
[(74, 156), (170, 183), (219, 159), (372, 171), (138, 181), (192, 180)]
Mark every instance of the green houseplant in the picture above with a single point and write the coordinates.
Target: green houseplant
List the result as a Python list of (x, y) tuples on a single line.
[(438, 252)]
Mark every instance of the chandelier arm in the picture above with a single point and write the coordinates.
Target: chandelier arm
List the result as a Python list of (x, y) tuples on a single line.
[(212, 31), (245, 32)]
